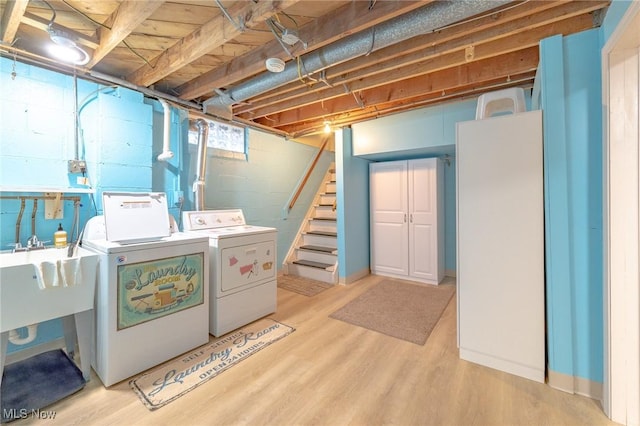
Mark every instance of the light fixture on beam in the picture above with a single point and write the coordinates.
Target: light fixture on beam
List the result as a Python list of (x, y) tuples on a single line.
[(65, 48), (274, 64)]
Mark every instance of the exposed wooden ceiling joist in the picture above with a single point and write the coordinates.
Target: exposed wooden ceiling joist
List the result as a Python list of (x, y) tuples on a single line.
[(190, 49), (470, 74), (408, 66), (212, 34), (10, 22), (128, 16), (352, 17)]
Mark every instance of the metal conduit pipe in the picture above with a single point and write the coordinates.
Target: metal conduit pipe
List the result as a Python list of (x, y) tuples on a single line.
[(23, 204), (435, 15), (201, 163)]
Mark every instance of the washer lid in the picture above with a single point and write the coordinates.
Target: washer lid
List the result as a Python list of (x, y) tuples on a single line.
[(134, 217)]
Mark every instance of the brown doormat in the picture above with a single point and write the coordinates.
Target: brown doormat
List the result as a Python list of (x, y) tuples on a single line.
[(173, 379), (300, 285), (398, 309)]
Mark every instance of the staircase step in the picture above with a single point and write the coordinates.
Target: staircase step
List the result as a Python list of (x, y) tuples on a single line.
[(333, 219), (312, 264), (318, 248), (319, 240), (324, 212), (312, 273), (327, 198), (324, 233)]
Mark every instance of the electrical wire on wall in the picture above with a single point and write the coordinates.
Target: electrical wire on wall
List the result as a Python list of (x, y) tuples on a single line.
[(80, 132)]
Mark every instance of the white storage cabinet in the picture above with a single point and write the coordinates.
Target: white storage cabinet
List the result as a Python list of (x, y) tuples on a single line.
[(407, 219), (500, 251)]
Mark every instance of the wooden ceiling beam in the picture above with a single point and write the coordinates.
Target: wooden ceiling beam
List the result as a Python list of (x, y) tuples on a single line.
[(214, 33), (541, 25), (367, 79), (346, 20), (469, 74), (429, 42), (127, 17), (13, 12), (524, 80)]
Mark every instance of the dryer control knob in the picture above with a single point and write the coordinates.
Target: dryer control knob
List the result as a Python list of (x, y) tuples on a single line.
[(200, 220)]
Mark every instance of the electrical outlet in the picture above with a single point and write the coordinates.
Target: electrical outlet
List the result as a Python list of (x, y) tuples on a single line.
[(77, 166)]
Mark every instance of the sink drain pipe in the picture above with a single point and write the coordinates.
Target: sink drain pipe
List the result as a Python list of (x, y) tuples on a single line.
[(32, 333)]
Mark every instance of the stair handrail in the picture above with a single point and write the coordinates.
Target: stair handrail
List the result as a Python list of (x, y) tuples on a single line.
[(304, 180)]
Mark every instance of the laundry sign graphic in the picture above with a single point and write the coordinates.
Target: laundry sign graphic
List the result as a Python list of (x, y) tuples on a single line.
[(153, 289)]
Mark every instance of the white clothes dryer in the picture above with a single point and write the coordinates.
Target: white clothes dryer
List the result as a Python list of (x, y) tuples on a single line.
[(242, 266), (152, 295)]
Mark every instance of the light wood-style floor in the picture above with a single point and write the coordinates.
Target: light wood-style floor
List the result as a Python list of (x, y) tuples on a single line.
[(332, 373)]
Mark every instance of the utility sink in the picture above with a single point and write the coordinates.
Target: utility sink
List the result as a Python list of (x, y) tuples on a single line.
[(26, 298), (24, 302)]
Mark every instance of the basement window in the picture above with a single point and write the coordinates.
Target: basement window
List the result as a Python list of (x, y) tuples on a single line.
[(224, 140)]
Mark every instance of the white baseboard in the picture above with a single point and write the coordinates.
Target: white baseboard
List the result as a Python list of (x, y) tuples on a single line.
[(354, 277), (575, 385)]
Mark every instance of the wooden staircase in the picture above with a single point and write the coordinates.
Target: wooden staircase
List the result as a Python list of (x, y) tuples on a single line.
[(314, 253)]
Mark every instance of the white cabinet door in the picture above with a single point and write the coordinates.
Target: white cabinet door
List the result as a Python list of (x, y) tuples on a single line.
[(406, 219), (423, 218), (388, 200)]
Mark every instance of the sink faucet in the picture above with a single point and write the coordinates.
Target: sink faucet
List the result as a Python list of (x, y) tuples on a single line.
[(33, 243), (17, 247)]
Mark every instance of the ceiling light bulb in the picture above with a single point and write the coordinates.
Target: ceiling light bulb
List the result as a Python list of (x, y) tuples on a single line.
[(72, 55), (65, 48), (327, 127), (60, 37)]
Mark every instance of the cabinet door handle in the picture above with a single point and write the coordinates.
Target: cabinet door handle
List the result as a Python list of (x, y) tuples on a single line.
[(405, 218), (411, 218)]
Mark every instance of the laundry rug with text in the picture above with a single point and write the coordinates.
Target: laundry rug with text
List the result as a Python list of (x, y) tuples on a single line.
[(173, 379)]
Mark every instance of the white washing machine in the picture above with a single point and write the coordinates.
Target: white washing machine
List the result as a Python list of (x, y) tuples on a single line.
[(242, 267), (152, 296)]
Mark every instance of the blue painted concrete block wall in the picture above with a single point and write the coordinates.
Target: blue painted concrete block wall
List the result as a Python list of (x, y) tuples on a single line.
[(262, 185), (118, 142), (572, 108), (37, 138), (352, 177)]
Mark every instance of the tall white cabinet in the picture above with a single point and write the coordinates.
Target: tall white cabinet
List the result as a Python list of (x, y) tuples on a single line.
[(407, 219), (500, 250)]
